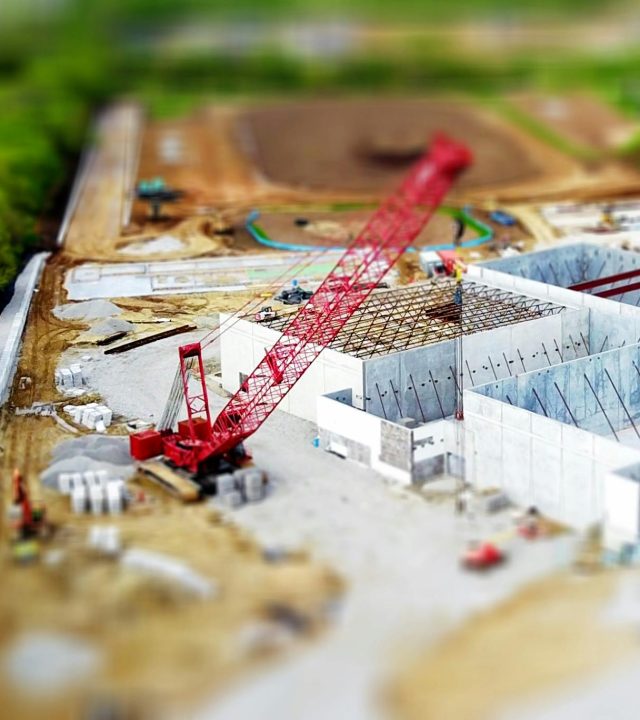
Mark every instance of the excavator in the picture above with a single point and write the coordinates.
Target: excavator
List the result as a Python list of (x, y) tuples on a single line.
[(202, 447)]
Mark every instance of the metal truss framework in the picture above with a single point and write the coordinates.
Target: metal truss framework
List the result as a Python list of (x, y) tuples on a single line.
[(405, 318)]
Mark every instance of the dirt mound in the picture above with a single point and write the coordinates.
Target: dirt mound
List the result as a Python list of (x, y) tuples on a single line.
[(368, 144)]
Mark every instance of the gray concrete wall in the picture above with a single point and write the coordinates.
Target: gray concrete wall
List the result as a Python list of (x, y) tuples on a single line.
[(540, 461), (570, 264), (563, 393), (394, 381), (244, 344)]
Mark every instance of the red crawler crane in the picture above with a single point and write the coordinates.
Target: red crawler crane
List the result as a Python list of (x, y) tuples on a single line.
[(389, 232)]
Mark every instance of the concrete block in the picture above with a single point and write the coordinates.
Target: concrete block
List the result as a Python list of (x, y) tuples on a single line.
[(89, 478), (251, 480), (105, 539), (76, 375), (254, 494), (96, 499), (107, 414), (66, 378), (79, 499), (225, 484), (114, 492), (64, 483), (231, 499), (76, 480), (89, 417)]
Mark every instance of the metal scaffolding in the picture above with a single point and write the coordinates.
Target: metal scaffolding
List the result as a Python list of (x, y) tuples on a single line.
[(418, 315)]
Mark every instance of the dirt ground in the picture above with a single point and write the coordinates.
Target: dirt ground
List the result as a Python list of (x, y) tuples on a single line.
[(159, 645), (153, 642), (546, 636), (581, 119), (368, 145), (338, 228)]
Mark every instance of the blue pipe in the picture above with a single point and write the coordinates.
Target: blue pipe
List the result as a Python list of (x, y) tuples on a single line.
[(259, 235)]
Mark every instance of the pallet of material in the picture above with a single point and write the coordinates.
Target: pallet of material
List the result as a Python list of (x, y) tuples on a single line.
[(130, 344), (172, 481)]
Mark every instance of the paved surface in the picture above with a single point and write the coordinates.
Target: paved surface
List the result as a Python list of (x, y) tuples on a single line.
[(230, 274), (399, 556), (397, 552)]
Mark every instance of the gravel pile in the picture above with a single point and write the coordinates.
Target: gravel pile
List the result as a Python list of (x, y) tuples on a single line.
[(110, 326), (161, 244), (92, 452), (89, 310)]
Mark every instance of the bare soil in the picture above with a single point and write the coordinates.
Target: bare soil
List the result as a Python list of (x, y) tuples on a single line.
[(545, 636), (162, 648), (368, 145), (581, 119)]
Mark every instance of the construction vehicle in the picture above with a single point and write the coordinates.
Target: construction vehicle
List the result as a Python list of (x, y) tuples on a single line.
[(203, 447), (502, 218), (294, 295), (27, 520), (482, 556), (156, 192)]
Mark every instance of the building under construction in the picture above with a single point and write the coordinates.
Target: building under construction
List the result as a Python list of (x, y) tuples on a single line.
[(549, 378)]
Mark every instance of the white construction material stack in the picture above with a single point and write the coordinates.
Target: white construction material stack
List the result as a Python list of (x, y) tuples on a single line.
[(71, 377), (92, 415), (79, 499), (94, 490), (96, 499), (105, 539)]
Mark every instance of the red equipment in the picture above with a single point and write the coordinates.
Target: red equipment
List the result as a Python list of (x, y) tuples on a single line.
[(20, 498), (386, 236), (483, 556)]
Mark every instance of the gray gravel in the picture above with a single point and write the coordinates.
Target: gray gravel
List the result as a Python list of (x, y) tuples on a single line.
[(89, 310)]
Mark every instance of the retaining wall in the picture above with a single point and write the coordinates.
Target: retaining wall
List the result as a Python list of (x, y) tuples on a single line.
[(13, 320)]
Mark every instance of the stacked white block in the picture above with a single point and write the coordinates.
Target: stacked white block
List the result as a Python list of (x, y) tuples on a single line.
[(71, 377), (94, 490), (92, 415), (105, 539)]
